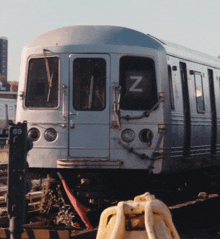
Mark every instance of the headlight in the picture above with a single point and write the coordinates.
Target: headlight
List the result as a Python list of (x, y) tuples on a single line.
[(146, 136), (128, 135), (50, 134), (34, 134)]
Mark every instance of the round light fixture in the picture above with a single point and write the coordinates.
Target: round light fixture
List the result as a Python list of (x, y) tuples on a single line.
[(50, 134), (128, 135), (34, 134)]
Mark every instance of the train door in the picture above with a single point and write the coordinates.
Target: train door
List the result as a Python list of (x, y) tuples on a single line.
[(216, 81), (213, 112), (89, 106), (186, 109)]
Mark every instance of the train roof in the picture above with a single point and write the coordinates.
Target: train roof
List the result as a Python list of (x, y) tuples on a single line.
[(94, 35), (189, 54), (113, 39)]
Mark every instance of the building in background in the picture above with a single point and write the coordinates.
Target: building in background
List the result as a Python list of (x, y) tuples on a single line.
[(4, 86), (3, 56)]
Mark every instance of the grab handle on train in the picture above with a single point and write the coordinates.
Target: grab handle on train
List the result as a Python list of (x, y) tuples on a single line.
[(145, 217)]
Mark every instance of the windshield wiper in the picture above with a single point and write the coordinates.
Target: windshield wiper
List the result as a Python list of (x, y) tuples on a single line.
[(91, 92), (49, 77)]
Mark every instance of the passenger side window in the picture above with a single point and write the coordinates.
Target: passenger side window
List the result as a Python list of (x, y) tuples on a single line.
[(199, 92)]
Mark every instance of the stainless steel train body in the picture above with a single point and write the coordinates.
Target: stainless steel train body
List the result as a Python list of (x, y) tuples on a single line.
[(103, 97), (8, 105)]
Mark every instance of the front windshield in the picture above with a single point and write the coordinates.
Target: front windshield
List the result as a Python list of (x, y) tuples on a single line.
[(138, 82), (42, 84)]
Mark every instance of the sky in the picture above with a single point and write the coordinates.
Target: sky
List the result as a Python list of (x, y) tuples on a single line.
[(192, 23)]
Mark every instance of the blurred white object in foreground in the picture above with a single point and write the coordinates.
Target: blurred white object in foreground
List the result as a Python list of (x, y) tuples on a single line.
[(145, 217)]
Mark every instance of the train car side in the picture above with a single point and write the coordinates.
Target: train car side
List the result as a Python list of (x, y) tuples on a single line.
[(194, 96), (7, 112)]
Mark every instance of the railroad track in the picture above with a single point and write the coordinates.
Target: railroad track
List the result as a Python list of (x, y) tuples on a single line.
[(198, 218), (3, 165), (182, 214), (3, 178), (33, 201), (33, 197), (189, 217)]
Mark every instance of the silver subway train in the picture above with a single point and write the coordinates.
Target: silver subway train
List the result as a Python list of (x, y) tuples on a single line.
[(106, 97), (8, 104)]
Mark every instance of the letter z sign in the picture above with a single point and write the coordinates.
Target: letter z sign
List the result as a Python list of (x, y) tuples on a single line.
[(134, 88)]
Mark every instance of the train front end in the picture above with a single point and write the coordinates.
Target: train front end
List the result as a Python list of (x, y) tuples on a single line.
[(93, 98)]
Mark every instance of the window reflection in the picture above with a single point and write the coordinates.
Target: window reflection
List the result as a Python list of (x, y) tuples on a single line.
[(199, 93)]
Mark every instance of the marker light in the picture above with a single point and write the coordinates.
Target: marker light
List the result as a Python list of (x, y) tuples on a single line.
[(34, 134), (50, 134), (128, 135)]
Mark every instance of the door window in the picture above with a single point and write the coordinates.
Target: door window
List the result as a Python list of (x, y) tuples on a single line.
[(89, 84)]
